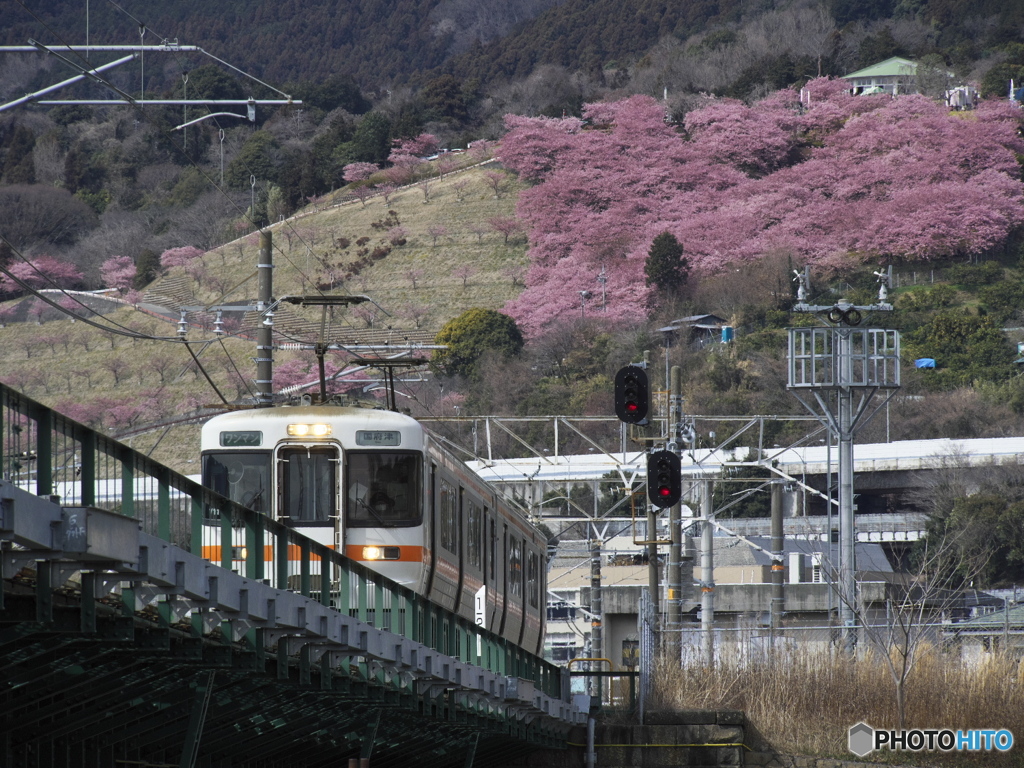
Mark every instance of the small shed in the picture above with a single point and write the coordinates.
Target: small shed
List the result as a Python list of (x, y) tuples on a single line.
[(696, 329)]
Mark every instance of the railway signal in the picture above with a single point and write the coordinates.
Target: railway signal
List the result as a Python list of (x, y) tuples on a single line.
[(664, 479), (632, 395)]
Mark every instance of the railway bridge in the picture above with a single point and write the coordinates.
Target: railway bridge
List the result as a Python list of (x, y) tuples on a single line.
[(121, 645)]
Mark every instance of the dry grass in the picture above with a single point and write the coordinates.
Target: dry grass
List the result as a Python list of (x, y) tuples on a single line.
[(439, 293), (37, 361), (804, 700)]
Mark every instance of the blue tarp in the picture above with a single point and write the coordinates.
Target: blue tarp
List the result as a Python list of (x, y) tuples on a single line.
[(924, 362)]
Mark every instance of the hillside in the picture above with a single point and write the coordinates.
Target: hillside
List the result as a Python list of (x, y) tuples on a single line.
[(120, 383)]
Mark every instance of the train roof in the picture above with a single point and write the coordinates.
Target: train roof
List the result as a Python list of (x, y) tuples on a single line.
[(292, 412)]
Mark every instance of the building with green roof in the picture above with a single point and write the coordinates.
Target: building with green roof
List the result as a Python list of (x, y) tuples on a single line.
[(893, 76)]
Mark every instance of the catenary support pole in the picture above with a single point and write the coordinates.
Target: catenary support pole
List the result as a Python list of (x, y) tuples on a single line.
[(265, 334), (847, 565), (674, 598), (778, 568), (707, 575), (596, 635)]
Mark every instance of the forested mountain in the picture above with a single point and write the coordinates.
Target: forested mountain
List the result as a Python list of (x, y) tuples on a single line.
[(377, 42), (381, 43)]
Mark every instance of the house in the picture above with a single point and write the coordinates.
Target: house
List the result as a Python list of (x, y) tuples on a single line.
[(893, 76)]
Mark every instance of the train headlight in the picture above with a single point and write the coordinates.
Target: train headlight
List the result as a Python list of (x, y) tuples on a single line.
[(382, 553), (309, 430)]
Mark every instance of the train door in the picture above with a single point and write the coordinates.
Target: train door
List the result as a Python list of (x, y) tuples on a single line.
[(532, 598), (495, 577), (307, 487), (514, 592), (473, 561), (444, 587)]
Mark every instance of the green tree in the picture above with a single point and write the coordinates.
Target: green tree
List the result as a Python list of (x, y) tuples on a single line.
[(996, 81), (965, 347), (667, 268), (147, 267), (258, 157), (987, 533), (371, 142), (209, 82), (470, 335), (18, 166), (444, 99)]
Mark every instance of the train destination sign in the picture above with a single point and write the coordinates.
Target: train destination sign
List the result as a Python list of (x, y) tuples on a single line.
[(378, 438), (248, 439)]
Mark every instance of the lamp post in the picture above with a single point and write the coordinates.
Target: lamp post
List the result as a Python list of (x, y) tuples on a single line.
[(584, 295)]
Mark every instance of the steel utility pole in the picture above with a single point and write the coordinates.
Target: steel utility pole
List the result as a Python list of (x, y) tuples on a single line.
[(832, 363)]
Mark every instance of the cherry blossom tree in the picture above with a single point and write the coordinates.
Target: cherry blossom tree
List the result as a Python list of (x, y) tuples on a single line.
[(415, 313), (435, 231), (358, 171), (496, 180), (463, 273), (397, 235), (844, 179), (505, 225), (361, 192), (414, 276), (179, 257), (118, 272), (41, 272), (423, 145)]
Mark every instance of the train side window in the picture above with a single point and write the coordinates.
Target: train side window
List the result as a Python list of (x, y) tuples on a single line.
[(515, 568), (493, 555), (532, 591), (448, 517), (474, 526), (382, 489), (308, 485)]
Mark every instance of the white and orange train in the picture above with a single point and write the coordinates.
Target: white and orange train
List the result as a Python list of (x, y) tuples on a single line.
[(373, 484)]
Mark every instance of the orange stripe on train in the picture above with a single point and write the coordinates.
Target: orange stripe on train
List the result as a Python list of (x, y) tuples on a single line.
[(294, 553)]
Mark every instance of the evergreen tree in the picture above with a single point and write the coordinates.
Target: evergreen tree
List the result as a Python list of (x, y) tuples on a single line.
[(471, 334), (666, 267)]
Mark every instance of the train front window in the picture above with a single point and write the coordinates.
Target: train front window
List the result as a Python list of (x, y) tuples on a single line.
[(242, 476), (308, 480), (382, 489)]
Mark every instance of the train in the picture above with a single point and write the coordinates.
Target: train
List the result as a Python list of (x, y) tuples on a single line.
[(375, 485)]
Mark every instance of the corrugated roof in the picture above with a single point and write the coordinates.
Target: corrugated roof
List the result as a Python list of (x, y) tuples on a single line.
[(996, 620), (893, 67), (733, 552)]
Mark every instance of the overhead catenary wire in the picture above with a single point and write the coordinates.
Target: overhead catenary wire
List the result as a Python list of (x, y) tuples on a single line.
[(93, 74), (86, 69)]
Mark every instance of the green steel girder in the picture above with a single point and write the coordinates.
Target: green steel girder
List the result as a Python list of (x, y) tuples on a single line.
[(105, 684)]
